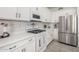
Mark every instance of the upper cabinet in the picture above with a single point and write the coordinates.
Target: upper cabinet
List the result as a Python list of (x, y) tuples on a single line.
[(45, 14), (8, 13), (35, 10), (35, 13), (23, 13), (15, 13)]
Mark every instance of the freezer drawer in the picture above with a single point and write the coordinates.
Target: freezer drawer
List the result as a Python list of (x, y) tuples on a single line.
[(70, 39), (62, 37)]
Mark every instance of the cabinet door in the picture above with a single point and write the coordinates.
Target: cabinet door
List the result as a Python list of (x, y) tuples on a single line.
[(55, 35), (45, 14), (48, 15), (31, 45), (8, 13), (21, 49), (34, 10), (24, 13), (40, 43), (49, 36)]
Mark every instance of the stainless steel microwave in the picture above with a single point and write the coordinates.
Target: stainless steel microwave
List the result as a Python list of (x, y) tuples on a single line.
[(35, 17)]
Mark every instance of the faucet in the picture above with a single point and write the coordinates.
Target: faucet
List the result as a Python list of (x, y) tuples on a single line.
[(5, 33)]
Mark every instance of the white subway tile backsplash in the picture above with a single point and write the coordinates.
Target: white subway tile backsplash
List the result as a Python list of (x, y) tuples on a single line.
[(15, 27)]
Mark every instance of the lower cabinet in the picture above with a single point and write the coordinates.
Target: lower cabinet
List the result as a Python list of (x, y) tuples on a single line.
[(49, 36), (40, 42), (28, 46), (25, 45), (21, 49), (32, 44), (55, 34)]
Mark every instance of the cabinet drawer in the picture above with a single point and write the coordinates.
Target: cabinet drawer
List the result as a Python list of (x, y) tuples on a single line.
[(20, 49), (14, 45), (27, 47)]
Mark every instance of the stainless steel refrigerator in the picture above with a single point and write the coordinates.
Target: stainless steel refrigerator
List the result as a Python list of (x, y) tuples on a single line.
[(68, 30)]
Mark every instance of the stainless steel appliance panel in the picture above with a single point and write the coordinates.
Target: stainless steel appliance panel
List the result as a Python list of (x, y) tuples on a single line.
[(62, 23), (68, 29), (62, 37)]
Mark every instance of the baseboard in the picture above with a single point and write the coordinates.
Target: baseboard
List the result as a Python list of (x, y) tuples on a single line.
[(50, 42), (43, 49), (67, 44)]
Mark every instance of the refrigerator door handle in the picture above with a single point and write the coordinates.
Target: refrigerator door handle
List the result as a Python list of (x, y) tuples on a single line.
[(66, 24)]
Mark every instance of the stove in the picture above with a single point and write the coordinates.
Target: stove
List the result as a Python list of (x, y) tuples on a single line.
[(36, 31)]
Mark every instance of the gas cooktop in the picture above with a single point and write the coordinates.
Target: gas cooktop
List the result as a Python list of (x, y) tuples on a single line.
[(36, 31)]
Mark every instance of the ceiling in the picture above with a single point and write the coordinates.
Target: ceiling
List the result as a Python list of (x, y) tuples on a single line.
[(59, 8)]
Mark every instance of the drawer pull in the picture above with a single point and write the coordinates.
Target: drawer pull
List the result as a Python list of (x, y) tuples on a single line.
[(12, 47), (16, 15), (23, 50), (30, 40)]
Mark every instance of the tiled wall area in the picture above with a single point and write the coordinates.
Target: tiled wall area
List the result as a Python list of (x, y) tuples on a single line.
[(15, 27)]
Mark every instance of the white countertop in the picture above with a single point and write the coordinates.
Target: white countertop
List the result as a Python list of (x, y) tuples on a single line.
[(15, 38)]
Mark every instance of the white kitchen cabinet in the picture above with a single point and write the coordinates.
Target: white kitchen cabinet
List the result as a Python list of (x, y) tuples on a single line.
[(55, 35), (24, 13), (14, 46), (15, 13), (49, 36), (40, 42), (21, 49), (35, 10), (25, 45), (8, 13), (55, 17), (45, 14), (31, 45)]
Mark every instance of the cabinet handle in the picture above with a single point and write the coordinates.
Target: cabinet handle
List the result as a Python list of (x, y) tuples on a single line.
[(44, 40), (23, 50), (13, 47), (19, 15), (39, 43), (30, 40), (16, 15), (36, 8)]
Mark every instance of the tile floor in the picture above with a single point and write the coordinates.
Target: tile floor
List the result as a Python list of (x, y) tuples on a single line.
[(55, 46)]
